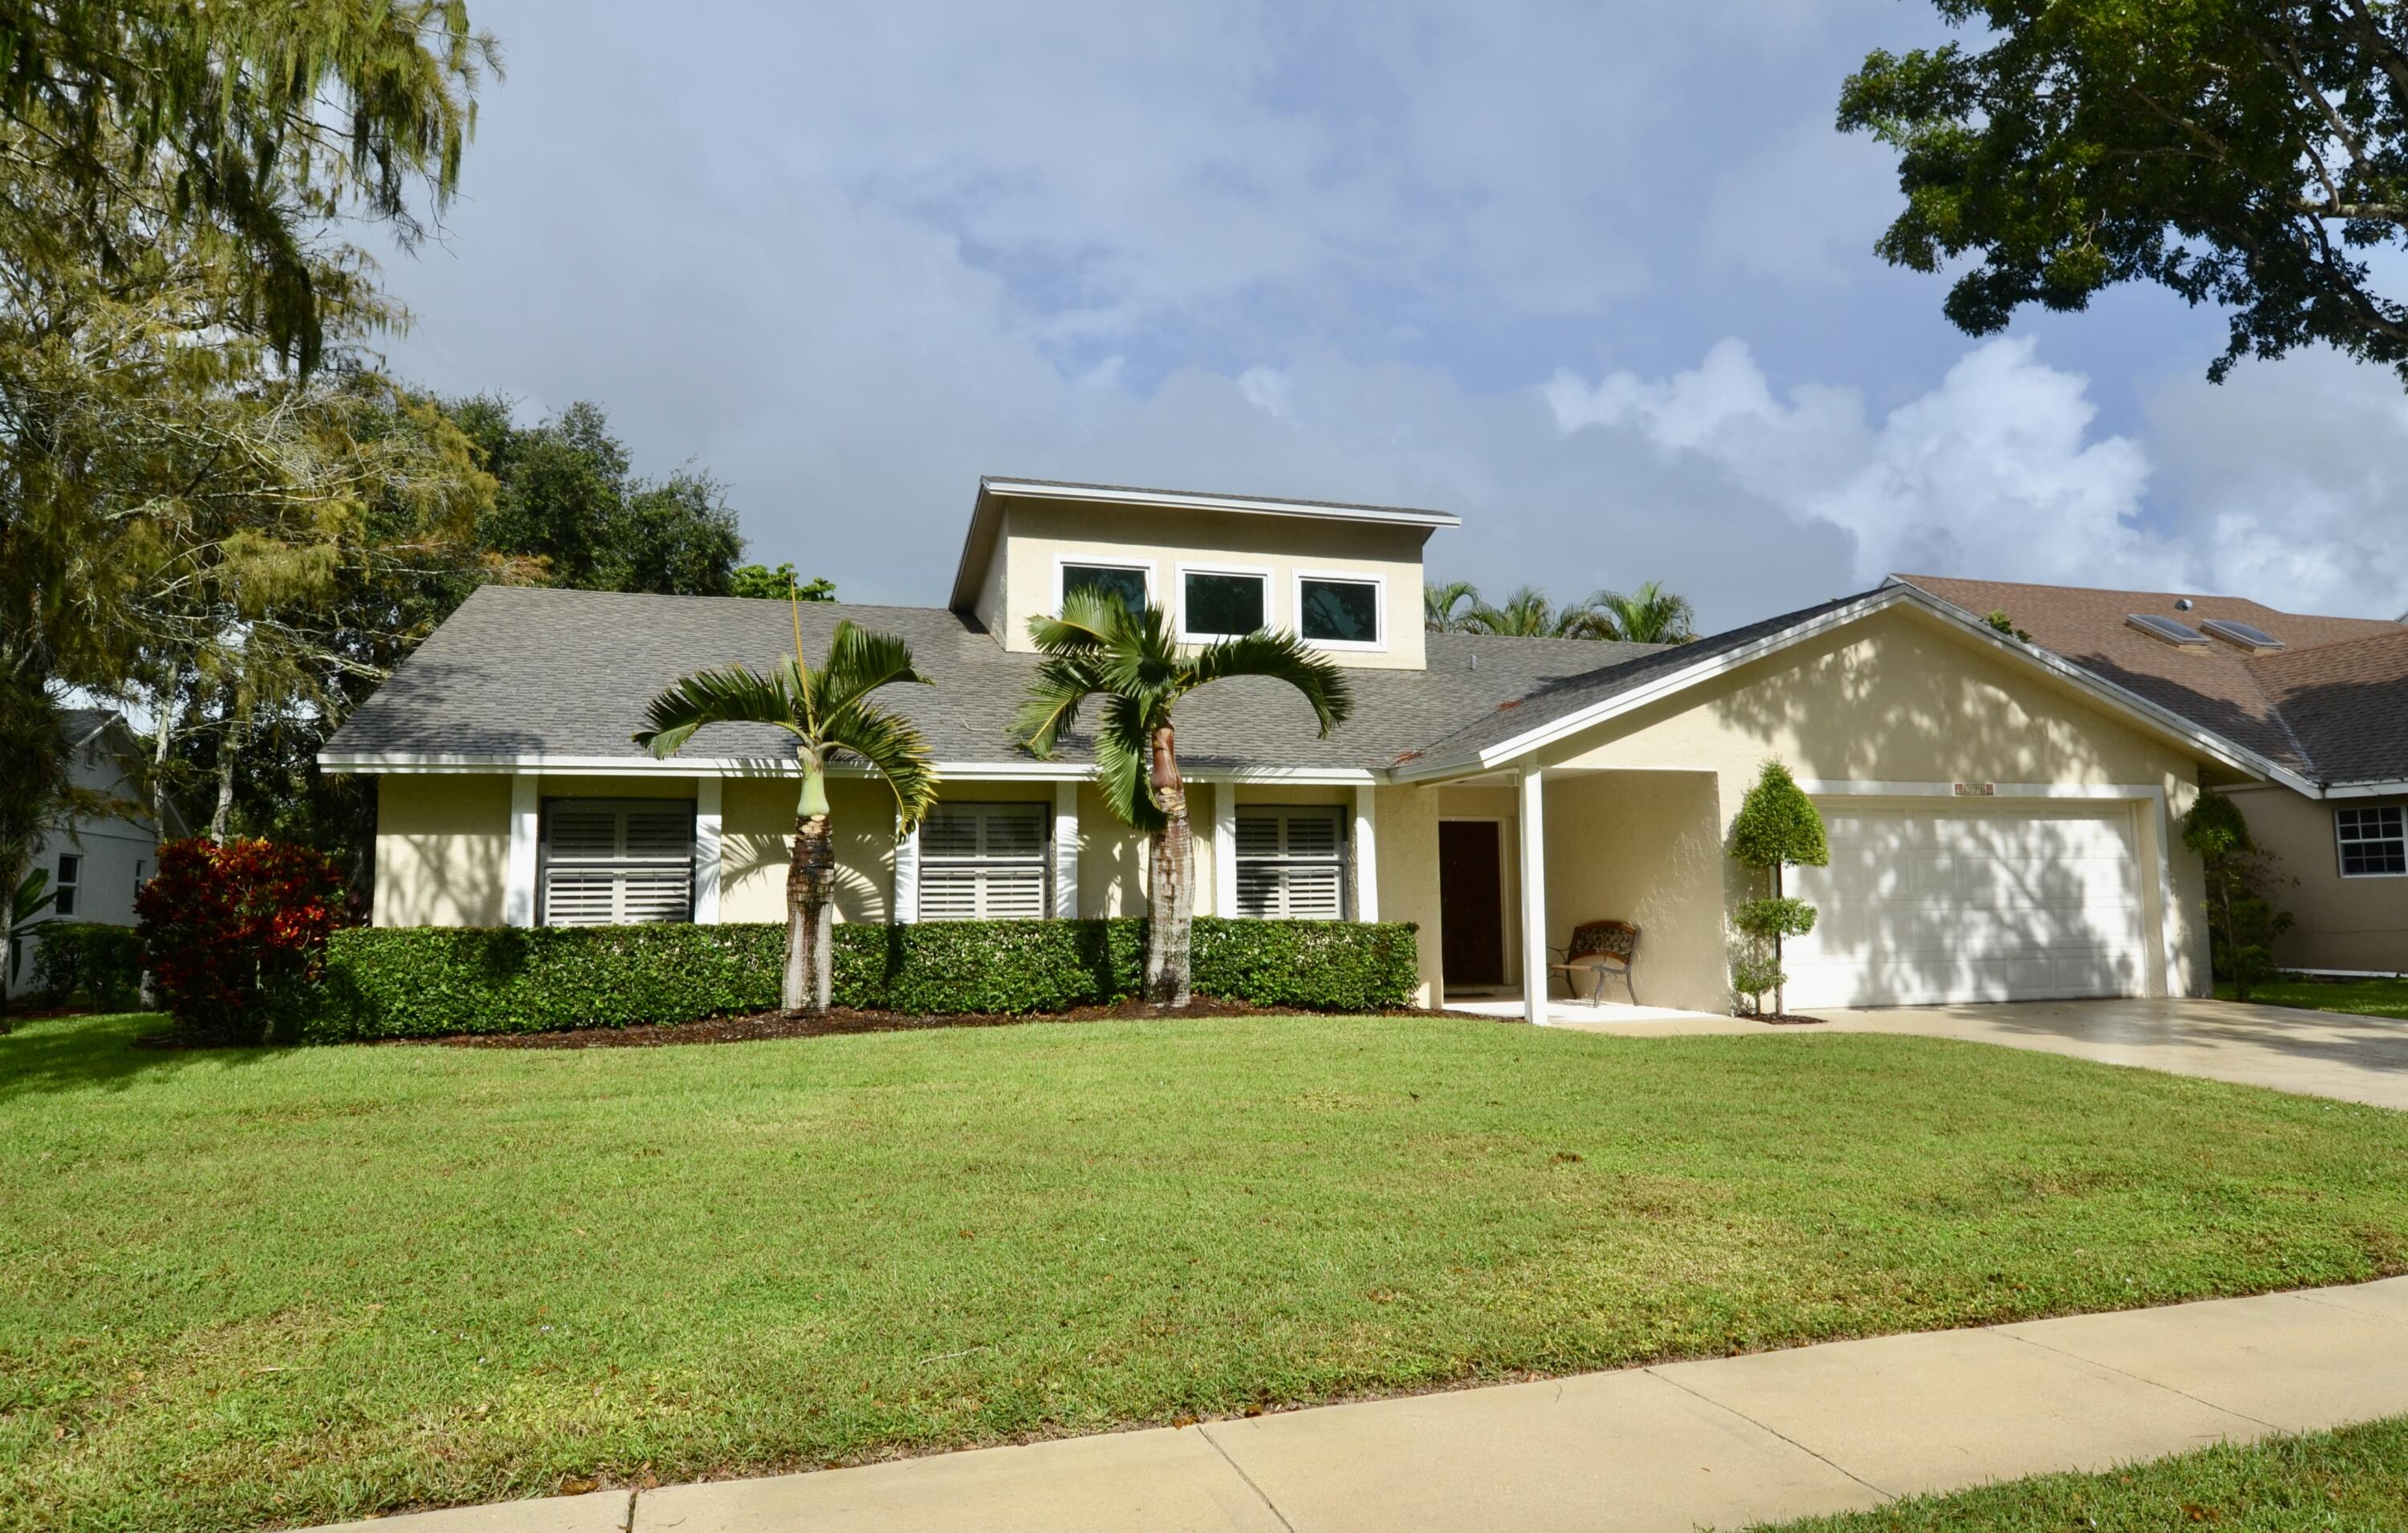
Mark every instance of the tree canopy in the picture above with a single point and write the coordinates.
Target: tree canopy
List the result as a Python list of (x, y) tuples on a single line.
[(2252, 155)]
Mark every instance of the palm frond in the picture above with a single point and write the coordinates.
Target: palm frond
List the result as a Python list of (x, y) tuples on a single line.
[(892, 747), (1089, 621), (859, 662), (1283, 657), (1124, 764), (1063, 684), (1440, 604), (726, 695)]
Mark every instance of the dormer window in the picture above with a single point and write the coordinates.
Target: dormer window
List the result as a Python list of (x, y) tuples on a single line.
[(1221, 603), (1133, 584), (1339, 611)]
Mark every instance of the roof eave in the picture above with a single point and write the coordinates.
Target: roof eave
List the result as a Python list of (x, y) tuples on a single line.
[(977, 544), (1891, 594)]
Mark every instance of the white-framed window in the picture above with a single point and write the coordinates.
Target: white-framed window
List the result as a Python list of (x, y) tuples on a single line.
[(1130, 579), (616, 862), (1222, 601), (71, 883), (1335, 610), (1292, 861), (985, 862), (2373, 840)]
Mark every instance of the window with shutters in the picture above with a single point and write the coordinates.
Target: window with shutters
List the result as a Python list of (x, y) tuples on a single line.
[(985, 862), (617, 862), (1291, 862)]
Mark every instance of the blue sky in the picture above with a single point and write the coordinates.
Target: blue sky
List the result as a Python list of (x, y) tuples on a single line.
[(1598, 279)]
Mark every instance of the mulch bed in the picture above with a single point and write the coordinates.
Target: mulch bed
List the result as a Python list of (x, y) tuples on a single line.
[(841, 1019), (1787, 1019)]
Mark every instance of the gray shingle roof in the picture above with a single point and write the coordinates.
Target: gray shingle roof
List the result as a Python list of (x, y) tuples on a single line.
[(1558, 697), (528, 671)]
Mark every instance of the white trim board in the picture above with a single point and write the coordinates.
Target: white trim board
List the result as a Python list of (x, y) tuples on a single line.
[(407, 764), (1333, 510)]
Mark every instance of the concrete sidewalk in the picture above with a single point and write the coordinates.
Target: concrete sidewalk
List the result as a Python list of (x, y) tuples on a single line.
[(1718, 1443)]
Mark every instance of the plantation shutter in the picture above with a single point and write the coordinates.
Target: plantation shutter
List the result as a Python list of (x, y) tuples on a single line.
[(609, 862), (983, 862), (1291, 863)]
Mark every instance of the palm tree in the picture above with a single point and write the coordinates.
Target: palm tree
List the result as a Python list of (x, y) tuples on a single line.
[(1650, 615), (1528, 615), (1098, 648), (829, 714), (1439, 603)]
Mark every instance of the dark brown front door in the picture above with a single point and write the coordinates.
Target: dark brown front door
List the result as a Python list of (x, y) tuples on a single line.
[(1470, 896)]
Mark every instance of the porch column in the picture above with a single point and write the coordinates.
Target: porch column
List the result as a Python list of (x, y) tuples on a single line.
[(1367, 854), (527, 825), (1225, 848), (907, 878), (707, 792), (1534, 898), (1066, 851)]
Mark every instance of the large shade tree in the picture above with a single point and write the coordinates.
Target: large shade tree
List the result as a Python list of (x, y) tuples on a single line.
[(1099, 650), (2250, 154), (833, 719), (177, 298)]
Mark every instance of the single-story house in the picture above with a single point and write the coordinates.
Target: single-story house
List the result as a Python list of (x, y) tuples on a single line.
[(2001, 821), (2320, 703)]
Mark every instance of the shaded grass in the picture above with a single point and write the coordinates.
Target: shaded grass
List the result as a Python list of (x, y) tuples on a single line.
[(2360, 997), (286, 1286), (2354, 1481)]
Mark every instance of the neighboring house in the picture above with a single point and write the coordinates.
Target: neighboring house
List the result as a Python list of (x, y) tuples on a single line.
[(96, 864), (2001, 821), (2321, 706)]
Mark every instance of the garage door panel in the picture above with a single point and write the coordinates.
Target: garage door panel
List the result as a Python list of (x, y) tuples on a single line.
[(1991, 902)]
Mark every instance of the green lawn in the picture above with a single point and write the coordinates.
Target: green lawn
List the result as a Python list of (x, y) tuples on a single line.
[(2363, 998), (248, 1287), (2348, 1481)]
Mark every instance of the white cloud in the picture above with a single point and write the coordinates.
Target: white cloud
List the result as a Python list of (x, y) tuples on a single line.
[(865, 256)]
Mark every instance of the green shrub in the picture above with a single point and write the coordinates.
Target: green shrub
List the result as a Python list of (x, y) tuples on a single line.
[(101, 964), (425, 981)]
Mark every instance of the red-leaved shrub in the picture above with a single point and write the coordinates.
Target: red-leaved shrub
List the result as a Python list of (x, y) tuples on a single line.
[(234, 933)]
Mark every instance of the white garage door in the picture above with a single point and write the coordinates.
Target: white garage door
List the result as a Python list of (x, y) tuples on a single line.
[(1986, 902)]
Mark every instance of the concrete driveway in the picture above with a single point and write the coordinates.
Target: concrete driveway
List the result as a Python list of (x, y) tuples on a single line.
[(2314, 1054)]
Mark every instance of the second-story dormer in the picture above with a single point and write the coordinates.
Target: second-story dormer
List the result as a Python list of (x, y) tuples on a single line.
[(1346, 579)]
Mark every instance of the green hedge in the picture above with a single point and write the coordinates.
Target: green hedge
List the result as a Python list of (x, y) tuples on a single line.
[(101, 964), (425, 982)]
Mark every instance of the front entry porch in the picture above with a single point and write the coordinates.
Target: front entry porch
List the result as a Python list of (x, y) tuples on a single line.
[(1523, 858)]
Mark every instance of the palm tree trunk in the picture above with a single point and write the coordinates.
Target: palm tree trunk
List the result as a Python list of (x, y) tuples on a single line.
[(809, 970), (1170, 894)]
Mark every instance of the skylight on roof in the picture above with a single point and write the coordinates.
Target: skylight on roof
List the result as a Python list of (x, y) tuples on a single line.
[(2166, 628), (2243, 634)]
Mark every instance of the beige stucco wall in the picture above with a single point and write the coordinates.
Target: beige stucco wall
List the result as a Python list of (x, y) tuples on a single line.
[(443, 851), (1021, 579), (756, 818), (1405, 823), (1644, 847), (1901, 697), (2338, 923)]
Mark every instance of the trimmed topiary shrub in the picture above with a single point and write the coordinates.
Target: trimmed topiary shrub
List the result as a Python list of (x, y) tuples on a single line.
[(101, 964), (425, 982)]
